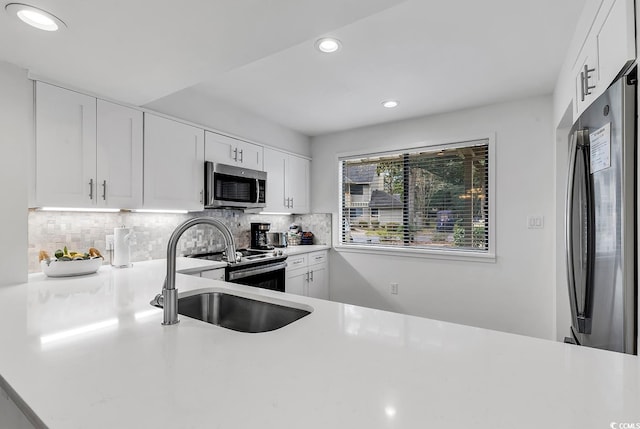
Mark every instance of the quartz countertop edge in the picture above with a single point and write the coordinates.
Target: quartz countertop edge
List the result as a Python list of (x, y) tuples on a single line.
[(304, 248), (90, 351)]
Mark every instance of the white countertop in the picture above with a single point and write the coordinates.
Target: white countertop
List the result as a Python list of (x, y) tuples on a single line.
[(342, 366)]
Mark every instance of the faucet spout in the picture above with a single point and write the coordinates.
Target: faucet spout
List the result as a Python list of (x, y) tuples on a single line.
[(169, 291)]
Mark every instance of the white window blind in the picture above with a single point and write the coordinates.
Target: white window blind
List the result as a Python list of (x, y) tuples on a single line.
[(426, 198)]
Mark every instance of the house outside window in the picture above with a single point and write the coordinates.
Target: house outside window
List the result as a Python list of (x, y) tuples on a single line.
[(428, 199)]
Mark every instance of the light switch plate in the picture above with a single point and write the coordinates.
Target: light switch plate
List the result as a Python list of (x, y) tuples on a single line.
[(535, 222)]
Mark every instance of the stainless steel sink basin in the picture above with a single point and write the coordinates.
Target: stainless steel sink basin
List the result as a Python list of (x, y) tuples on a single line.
[(237, 312)]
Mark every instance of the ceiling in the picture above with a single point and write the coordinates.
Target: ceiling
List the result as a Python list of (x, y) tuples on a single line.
[(259, 56)]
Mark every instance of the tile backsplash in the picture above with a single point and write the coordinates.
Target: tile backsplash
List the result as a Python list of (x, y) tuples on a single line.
[(51, 230)]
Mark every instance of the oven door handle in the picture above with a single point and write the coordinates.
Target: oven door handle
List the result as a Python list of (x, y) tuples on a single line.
[(241, 274)]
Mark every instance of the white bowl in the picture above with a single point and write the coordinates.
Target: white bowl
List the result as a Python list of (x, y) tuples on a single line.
[(82, 267)]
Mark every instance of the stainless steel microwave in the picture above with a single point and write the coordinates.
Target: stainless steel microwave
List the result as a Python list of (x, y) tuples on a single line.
[(235, 187)]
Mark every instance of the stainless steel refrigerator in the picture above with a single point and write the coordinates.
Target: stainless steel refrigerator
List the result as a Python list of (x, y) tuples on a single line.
[(600, 226)]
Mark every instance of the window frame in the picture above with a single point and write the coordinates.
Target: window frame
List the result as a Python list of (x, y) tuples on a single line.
[(448, 254)]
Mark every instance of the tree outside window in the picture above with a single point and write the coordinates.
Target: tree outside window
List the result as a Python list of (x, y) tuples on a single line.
[(426, 198)]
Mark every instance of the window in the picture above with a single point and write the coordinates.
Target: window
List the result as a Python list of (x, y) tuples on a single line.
[(431, 198)]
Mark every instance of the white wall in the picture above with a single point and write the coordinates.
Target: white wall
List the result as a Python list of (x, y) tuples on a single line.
[(193, 106), (16, 136), (514, 294), (563, 310)]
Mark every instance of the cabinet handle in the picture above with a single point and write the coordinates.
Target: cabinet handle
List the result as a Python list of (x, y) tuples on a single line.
[(586, 89), (311, 275), (201, 196), (91, 189), (104, 190), (291, 206), (241, 155), (235, 154), (307, 277)]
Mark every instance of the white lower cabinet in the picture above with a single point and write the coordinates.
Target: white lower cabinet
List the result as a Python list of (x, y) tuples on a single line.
[(307, 274)]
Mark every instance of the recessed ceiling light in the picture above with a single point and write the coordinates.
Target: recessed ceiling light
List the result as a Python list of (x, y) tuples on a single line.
[(328, 45), (390, 104), (35, 17)]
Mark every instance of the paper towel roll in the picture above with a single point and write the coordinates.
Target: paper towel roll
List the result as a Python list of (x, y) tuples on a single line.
[(121, 247)]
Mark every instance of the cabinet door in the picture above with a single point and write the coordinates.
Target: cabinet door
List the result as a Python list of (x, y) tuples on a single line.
[(318, 281), (119, 147), (65, 147), (275, 165), (173, 165), (219, 148), (250, 155), (615, 40), (297, 281), (609, 48), (230, 151), (297, 181), (586, 78)]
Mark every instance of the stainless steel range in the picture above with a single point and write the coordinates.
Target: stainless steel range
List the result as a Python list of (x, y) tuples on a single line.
[(259, 268)]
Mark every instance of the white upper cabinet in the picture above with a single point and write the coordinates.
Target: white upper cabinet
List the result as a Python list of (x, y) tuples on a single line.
[(88, 151), (275, 164), (173, 165), (287, 182), (609, 47), (297, 183), (119, 147), (65, 147), (230, 151)]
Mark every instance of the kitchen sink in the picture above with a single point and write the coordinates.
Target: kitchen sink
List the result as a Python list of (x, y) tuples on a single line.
[(238, 313)]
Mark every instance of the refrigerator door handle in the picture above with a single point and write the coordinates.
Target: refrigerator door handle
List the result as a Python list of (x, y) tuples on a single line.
[(586, 312), (568, 229), (580, 290)]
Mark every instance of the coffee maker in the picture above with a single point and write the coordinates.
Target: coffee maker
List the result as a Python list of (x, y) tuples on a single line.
[(259, 236)]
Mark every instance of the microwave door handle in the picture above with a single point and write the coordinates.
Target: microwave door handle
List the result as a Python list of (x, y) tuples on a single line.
[(569, 230), (257, 191), (209, 176)]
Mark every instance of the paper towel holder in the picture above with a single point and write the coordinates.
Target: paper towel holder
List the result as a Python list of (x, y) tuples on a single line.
[(123, 237)]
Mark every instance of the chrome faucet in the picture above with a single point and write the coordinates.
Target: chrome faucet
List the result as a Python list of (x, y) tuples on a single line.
[(169, 296)]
